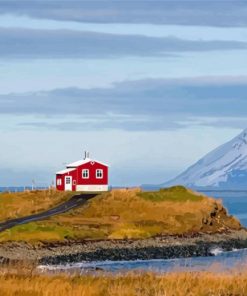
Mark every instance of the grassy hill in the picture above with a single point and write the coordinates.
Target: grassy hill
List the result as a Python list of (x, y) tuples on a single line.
[(129, 213), (19, 204)]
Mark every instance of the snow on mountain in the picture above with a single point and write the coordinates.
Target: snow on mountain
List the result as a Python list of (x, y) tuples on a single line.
[(224, 168)]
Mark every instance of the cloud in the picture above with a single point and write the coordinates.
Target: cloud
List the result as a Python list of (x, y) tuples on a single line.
[(202, 13), (27, 43), (151, 104), (221, 121), (139, 123)]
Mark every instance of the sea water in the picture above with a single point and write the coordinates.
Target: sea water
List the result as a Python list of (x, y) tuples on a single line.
[(222, 261), (19, 188)]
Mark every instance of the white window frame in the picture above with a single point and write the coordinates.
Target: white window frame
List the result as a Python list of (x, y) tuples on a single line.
[(101, 172), (59, 182), (87, 173)]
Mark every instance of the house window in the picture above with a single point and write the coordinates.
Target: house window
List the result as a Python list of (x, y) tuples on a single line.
[(85, 174), (67, 180), (99, 174), (59, 182)]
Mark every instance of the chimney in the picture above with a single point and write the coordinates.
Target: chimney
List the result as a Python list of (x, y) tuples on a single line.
[(85, 154)]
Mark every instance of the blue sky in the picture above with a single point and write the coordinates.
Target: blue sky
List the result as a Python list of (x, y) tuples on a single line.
[(147, 86)]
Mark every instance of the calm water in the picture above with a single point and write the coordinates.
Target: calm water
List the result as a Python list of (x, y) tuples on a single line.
[(222, 261), (18, 189)]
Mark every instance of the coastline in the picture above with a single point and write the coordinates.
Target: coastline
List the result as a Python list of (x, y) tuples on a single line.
[(162, 247)]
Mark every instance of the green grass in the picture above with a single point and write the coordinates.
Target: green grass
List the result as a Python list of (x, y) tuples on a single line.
[(176, 193), (39, 231), (31, 230)]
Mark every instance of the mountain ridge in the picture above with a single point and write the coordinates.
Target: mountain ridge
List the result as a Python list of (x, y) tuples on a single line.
[(223, 168)]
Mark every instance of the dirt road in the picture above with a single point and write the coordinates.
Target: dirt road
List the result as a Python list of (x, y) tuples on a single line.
[(75, 201)]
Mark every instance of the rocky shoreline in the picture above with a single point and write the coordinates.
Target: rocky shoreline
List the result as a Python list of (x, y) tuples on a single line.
[(166, 247)]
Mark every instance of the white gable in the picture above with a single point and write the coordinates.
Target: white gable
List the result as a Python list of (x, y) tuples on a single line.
[(64, 171), (83, 161)]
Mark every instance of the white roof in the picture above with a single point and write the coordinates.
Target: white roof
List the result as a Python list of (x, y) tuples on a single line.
[(83, 161), (64, 171)]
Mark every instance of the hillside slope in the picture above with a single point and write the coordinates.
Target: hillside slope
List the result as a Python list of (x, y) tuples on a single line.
[(121, 214), (223, 168), (19, 204)]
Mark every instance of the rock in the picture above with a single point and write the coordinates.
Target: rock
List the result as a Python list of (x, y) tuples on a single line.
[(164, 247)]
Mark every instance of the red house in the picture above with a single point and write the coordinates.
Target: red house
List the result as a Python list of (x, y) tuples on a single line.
[(83, 175)]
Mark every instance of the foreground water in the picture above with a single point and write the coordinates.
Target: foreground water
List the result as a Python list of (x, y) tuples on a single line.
[(221, 261)]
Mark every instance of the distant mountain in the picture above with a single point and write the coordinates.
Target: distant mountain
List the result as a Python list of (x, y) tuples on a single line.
[(223, 168)]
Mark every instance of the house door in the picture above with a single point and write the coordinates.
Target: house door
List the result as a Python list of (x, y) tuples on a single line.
[(68, 183)]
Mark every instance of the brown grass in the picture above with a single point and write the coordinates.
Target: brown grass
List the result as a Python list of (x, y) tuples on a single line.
[(19, 204), (132, 284), (131, 213)]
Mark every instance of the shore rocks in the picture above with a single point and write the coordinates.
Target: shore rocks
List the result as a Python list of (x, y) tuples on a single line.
[(153, 248), (147, 253)]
